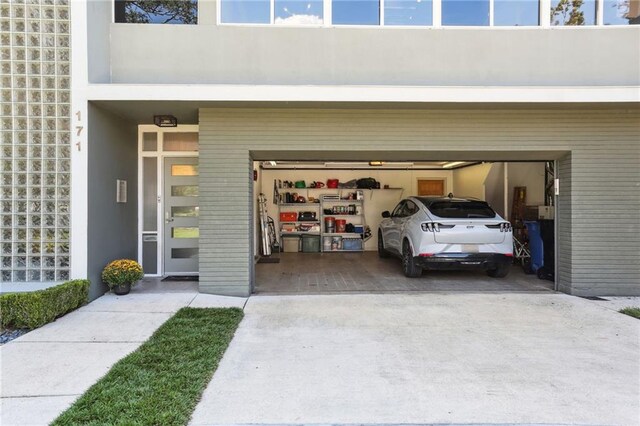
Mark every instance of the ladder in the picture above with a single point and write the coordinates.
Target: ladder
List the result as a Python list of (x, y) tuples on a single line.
[(264, 225)]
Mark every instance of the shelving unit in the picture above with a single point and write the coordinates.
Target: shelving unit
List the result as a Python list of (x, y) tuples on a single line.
[(337, 238), (327, 197), (297, 207)]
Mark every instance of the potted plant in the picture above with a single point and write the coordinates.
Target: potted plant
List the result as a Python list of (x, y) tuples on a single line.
[(121, 274)]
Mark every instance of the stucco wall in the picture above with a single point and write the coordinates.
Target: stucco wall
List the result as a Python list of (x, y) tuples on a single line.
[(112, 227), (374, 56)]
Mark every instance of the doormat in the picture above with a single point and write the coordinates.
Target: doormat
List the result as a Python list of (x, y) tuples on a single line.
[(595, 298), (181, 278), (269, 260)]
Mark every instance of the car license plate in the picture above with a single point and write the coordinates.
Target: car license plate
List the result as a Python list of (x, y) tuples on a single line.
[(470, 248)]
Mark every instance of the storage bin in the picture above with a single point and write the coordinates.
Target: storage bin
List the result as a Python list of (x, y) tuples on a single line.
[(358, 229), (536, 245), (352, 243), (310, 243), (288, 216), (291, 244)]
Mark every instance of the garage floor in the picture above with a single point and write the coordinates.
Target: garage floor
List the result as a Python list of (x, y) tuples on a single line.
[(325, 273)]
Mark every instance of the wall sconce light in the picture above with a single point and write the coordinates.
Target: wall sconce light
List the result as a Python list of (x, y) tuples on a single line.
[(165, 121)]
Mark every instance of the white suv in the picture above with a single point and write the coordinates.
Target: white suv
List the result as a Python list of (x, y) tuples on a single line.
[(446, 233)]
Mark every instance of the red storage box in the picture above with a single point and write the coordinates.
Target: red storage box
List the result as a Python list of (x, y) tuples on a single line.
[(288, 216)]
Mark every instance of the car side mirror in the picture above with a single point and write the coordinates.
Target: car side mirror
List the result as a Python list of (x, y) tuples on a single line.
[(386, 214)]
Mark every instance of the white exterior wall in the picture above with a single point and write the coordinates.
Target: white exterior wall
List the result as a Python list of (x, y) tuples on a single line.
[(374, 56)]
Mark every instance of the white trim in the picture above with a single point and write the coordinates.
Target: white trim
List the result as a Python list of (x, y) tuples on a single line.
[(79, 209), (418, 94), (140, 198), (327, 13), (600, 12), (436, 14), (545, 14), (491, 12)]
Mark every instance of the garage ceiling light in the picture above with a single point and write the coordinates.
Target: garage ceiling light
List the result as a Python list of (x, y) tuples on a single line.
[(453, 164), (346, 164)]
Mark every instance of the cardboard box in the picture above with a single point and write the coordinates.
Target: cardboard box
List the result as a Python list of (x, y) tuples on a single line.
[(546, 212)]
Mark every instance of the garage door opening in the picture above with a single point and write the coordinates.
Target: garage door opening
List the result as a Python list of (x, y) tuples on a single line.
[(327, 220)]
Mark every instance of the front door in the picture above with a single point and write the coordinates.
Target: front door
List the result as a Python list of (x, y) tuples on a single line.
[(181, 211)]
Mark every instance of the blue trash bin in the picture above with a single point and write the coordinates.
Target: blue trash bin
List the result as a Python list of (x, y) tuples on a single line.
[(536, 246)]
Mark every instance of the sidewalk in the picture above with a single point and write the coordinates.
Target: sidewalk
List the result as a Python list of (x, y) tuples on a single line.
[(44, 371)]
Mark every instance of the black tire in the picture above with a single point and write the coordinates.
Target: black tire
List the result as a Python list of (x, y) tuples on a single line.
[(382, 253), (500, 272), (409, 266)]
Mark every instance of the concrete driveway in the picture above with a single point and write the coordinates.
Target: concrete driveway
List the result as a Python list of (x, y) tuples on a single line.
[(428, 358)]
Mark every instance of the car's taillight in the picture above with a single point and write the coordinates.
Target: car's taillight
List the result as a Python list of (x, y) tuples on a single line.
[(503, 226), (434, 226)]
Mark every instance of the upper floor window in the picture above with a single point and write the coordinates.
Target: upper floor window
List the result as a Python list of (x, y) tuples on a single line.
[(573, 12), (516, 12), (156, 11), (245, 11), (476, 13), (299, 12), (355, 12), (408, 12), (621, 12), (465, 12)]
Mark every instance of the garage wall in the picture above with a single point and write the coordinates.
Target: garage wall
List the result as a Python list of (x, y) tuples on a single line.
[(469, 181), (530, 175), (599, 204), (494, 188)]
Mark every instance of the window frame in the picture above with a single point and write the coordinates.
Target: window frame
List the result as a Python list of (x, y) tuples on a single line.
[(436, 5)]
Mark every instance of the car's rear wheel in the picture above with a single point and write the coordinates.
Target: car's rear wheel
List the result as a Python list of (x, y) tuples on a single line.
[(499, 272), (409, 266), (381, 251)]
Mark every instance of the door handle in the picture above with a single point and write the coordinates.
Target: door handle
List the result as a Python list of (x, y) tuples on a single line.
[(167, 218)]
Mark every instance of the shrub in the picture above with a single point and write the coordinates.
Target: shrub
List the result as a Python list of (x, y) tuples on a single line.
[(37, 308), (122, 271)]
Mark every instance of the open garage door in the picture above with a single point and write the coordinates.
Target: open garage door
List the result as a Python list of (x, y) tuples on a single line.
[(345, 226)]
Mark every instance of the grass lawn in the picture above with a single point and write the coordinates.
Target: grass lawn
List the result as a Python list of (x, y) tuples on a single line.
[(162, 381), (633, 312)]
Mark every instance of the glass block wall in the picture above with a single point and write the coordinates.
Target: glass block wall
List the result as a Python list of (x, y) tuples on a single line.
[(35, 143)]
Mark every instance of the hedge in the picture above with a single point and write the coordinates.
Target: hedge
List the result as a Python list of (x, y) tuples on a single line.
[(37, 308)]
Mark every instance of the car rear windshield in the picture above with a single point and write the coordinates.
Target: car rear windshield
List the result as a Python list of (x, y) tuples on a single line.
[(462, 209)]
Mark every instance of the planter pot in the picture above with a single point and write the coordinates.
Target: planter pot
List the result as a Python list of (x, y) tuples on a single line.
[(122, 289)]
